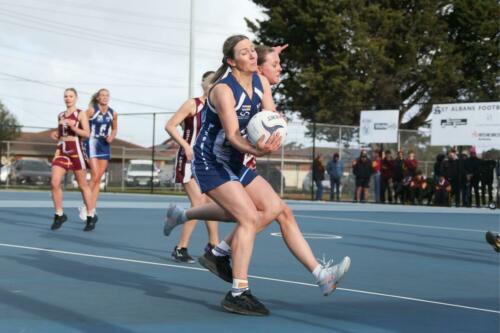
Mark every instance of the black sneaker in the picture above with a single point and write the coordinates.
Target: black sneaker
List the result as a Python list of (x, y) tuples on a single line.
[(182, 255), (245, 304), (58, 221), (91, 221), (209, 247), (220, 266), (493, 240)]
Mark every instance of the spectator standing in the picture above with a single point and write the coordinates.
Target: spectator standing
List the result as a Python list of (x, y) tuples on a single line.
[(362, 171), (462, 179), (335, 168), (410, 165), (318, 175), (437, 166), (487, 166), (397, 176), (472, 169), (376, 167), (386, 174), (449, 170)]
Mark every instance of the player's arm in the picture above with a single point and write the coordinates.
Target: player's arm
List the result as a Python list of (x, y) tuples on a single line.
[(280, 48), (224, 102), (267, 97), (187, 109), (114, 128)]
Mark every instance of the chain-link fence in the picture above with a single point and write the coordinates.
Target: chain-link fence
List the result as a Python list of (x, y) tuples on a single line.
[(143, 156)]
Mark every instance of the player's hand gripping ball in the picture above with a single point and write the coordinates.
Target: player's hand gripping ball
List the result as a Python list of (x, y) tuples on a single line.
[(265, 123)]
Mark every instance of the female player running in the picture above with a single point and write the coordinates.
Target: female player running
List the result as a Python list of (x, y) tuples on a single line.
[(103, 122), (218, 166), (326, 274), (73, 124), (189, 115)]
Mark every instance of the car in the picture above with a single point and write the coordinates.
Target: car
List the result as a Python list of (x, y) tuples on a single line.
[(306, 183), (30, 172), (141, 172)]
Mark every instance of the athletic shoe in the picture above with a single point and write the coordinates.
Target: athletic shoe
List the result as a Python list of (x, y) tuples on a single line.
[(209, 247), (493, 240), (331, 275), (91, 221), (182, 255), (220, 266), (82, 212), (172, 219), (245, 304), (58, 221)]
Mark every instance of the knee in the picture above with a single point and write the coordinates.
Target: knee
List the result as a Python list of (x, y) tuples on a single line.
[(275, 208), (55, 184), (250, 220), (285, 218)]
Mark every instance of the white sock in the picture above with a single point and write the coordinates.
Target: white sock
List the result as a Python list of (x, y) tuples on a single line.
[(91, 213), (317, 272), (59, 213), (239, 287), (222, 250)]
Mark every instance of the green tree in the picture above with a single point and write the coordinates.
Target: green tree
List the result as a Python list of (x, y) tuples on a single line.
[(350, 55), (9, 127)]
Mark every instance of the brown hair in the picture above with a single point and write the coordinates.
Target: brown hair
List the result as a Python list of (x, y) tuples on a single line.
[(93, 99), (71, 89), (228, 53), (262, 52)]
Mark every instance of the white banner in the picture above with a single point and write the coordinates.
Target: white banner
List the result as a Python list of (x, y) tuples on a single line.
[(379, 126), (475, 124)]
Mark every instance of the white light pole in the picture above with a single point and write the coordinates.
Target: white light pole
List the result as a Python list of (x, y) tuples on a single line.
[(191, 51)]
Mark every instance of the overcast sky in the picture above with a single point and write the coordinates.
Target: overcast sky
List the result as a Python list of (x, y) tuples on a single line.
[(139, 50)]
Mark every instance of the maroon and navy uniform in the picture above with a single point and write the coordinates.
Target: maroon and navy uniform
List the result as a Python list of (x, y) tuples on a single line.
[(69, 154), (192, 125)]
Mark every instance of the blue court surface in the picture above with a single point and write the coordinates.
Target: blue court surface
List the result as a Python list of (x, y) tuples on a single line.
[(414, 269)]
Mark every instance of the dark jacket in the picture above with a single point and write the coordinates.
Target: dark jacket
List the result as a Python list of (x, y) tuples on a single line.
[(437, 165), (318, 170), (486, 170), (397, 173), (362, 169), (473, 168), (387, 169), (449, 169)]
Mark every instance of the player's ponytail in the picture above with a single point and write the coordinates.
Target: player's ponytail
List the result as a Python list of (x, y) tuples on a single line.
[(95, 96), (228, 53)]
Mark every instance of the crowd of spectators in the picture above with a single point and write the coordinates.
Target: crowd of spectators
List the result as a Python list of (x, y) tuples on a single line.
[(460, 179)]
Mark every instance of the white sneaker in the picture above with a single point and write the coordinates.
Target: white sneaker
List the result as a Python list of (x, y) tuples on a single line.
[(82, 213), (172, 219), (331, 275)]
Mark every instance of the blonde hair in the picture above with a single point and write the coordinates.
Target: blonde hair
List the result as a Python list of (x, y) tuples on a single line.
[(71, 89), (206, 80)]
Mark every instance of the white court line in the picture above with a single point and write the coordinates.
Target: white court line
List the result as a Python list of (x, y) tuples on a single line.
[(388, 223), (252, 276)]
